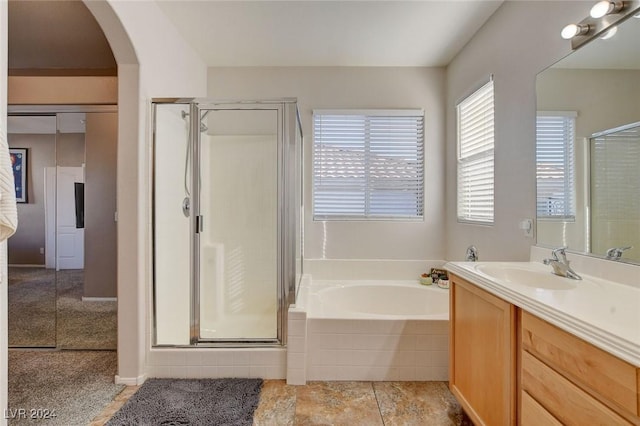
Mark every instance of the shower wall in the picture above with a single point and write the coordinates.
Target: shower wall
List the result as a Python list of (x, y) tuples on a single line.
[(172, 245)]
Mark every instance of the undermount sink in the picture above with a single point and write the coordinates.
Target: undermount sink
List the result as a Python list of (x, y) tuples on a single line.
[(526, 274)]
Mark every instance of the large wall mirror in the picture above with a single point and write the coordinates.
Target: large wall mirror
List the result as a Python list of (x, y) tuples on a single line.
[(588, 148)]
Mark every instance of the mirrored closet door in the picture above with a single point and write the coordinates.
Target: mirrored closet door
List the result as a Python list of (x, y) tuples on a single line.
[(32, 274), (62, 269)]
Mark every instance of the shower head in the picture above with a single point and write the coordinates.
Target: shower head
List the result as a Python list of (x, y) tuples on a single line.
[(203, 127)]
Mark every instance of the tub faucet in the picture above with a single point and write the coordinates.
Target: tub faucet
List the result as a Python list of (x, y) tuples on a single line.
[(560, 264), (615, 253), (472, 254)]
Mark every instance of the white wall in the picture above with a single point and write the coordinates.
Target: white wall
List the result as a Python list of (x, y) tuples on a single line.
[(519, 40), (332, 87)]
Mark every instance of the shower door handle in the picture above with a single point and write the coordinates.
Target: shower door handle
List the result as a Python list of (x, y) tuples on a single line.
[(199, 224)]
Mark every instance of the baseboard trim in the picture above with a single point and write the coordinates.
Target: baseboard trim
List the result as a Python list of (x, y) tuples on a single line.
[(130, 381), (25, 265), (99, 299)]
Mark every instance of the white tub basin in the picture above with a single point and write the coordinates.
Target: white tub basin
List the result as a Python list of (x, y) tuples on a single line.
[(529, 275), (380, 299)]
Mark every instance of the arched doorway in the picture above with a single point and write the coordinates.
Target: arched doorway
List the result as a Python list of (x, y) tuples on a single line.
[(131, 345)]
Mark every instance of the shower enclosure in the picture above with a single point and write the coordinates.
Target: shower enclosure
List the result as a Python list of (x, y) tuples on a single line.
[(614, 191), (227, 228)]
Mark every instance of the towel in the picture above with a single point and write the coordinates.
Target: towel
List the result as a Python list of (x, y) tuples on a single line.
[(8, 209)]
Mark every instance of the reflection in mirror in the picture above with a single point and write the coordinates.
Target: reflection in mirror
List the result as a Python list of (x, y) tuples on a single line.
[(85, 230), (593, 90), (62, 269), (31, 285), (614, 197)]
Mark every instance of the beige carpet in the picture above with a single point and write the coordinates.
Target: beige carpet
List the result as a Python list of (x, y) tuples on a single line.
[(75, 385), (32, 307), (46, 309), (83, 325)]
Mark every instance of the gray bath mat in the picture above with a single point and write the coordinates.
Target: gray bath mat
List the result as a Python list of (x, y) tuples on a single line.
[(174, 402)]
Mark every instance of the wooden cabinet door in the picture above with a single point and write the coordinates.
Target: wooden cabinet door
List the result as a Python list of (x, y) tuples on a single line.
[(482, 355)]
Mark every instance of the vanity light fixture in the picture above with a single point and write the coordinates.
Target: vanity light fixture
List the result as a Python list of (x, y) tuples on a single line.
[(572, 30), (601, 22), (606, 7)]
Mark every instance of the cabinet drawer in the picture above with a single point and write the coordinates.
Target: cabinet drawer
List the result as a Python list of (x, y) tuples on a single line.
[(534, 414), (599, 372), (564, 400)]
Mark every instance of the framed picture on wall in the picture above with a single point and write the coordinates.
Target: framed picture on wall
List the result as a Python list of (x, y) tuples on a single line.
[(19, 166)]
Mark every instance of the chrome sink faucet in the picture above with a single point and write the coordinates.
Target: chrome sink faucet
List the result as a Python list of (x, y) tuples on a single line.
[(560, 264), (615, 253)]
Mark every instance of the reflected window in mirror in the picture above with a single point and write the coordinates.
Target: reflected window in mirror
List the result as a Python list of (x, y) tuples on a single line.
[(555, 165)]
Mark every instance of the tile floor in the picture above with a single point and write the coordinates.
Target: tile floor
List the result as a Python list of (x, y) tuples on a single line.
[(344, 403)]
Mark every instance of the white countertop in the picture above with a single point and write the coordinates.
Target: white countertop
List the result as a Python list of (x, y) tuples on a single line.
[(604, 313)]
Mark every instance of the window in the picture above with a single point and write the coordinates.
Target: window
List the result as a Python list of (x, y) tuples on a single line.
[(475, 156), (368, 164), (555, 165)]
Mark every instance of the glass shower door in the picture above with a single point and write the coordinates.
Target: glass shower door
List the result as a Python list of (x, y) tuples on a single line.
[(615, 191), (238, 227)]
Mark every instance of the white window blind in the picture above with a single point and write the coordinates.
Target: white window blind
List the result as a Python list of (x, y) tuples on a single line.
[(555, 165), (475, 156), (368, 164)]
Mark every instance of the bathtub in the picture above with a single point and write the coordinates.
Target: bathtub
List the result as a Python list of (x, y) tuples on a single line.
[(368, 330), (378, 300)]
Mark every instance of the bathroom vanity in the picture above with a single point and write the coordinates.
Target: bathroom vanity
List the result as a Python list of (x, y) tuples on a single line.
[(528, 347)]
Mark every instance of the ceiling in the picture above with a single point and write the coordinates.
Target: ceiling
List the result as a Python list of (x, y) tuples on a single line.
[(63, 35), (328, 33)]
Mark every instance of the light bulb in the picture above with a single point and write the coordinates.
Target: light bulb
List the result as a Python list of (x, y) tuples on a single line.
[(569, 31), (606, 7), (601, 9), (612, 31), (572, 30)]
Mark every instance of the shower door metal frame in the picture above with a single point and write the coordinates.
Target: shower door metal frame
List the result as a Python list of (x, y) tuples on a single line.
[(197, 225)]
